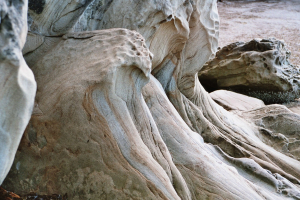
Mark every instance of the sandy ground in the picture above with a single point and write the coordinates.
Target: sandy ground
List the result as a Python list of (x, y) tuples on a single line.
[(244, 20)]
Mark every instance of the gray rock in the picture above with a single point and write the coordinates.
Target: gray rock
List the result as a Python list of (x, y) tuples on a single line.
[(17, 84), (259, 68), (55, 17)]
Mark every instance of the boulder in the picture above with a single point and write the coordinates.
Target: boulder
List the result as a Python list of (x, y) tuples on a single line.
[(17, 84), (259, 68), (232, 101)]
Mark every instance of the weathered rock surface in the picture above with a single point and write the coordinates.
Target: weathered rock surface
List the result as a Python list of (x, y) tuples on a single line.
[(114, 121), (47, 22), (259, 68), (279, 128), (120, 147), (17, 84), (33, 41), (55, 17), (105, 156), (232, 101), (294, 106)]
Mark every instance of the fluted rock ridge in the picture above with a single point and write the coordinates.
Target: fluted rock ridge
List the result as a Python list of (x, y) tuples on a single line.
[(120, 114)]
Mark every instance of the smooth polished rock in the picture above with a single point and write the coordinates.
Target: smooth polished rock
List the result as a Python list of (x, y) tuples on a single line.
[(33, 41), (294, 106), (232, 101), (17, 84)]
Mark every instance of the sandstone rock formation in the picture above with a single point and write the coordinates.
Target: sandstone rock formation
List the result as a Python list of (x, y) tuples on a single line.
[(100, 158), (121, 114), (47, 22), (17, 84), (55, 17), (279, 125), (279, 128), (294, 106), (259, 68), (235, 102), (107, 123)]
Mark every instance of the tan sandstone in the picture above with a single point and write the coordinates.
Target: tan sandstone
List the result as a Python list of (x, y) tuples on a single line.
[(120, 114)]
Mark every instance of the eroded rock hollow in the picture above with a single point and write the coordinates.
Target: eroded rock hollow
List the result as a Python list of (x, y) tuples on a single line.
[(259, 68), (120, 114)]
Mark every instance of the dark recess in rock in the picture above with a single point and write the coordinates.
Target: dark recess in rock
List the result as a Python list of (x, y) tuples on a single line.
[(36, 6), (259, 68), (5, 23)]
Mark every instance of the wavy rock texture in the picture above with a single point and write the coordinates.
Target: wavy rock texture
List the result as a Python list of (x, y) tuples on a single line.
[(17, 84), (279, 128), (47, 22), (114, 121), (259, 68), (55, 17), (33, 41), (91, 162)]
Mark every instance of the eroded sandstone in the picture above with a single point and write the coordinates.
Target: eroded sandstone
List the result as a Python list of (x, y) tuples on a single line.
[(235, 102), (279, 128), (97, 159), (259, 68), (121, 114)]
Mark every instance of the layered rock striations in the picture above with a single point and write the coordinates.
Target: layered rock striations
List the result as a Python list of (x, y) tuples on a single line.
[(54, 18), (259, 68), (83, 140), (235, 102), (279, 128), (120, 114)]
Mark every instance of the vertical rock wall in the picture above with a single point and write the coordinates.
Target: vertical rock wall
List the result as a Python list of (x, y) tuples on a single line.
[(17, 84)]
